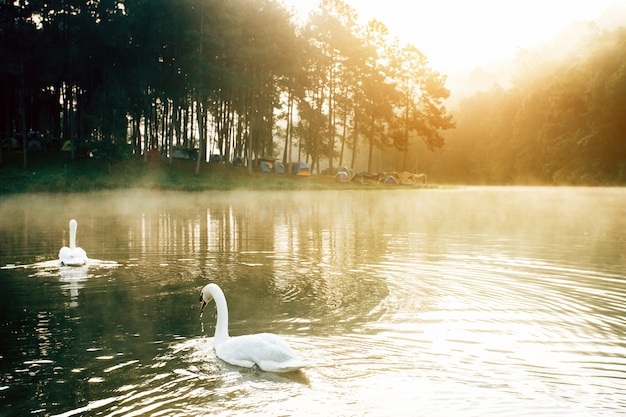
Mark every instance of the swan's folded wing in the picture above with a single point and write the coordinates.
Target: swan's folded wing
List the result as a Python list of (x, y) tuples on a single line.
[(281, 358), (72, 257), (269, 351), (234, 352)]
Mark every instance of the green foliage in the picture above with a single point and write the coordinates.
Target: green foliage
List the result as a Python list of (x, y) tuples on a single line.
[(209, 74), (63, 174), (137, 75)]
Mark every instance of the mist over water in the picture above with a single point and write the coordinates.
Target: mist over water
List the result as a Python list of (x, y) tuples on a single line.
[(471, 301)]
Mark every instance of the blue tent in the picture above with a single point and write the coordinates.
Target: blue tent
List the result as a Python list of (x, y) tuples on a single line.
[(301, 168), (266, 165)]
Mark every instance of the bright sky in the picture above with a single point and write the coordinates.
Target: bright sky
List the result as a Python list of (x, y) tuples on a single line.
[(458, 35)]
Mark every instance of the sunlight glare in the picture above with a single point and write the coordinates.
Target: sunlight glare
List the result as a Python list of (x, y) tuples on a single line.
[(457, 35)]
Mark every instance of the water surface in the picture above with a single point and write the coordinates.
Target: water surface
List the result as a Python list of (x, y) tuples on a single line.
[(465, 302)]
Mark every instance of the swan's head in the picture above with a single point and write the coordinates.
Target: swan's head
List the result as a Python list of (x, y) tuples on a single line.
[(205, 297)]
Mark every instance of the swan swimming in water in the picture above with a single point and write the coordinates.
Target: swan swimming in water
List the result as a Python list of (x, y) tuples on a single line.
[(72, 256), (266, 350)]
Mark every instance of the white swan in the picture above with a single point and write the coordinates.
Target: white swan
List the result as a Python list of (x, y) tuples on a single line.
[(72, 256), (266, 350)]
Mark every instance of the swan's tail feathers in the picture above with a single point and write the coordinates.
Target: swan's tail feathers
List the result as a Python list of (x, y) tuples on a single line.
[(292, 365)]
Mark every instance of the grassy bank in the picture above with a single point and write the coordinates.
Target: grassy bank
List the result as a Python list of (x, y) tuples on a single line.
[(57, 172)]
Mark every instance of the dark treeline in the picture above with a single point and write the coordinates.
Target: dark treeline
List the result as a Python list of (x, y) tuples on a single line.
[(562, 121), (243, 78), (233, 77)]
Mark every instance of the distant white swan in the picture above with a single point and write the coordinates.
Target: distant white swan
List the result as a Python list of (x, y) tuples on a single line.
[(72, 256), (266, 350)]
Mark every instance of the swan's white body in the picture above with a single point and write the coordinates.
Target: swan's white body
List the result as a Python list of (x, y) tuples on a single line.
[(72, 256), (266, 350)]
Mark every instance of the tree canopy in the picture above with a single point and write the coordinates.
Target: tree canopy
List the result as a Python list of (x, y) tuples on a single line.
[(560, 122), (246, 79), (234, 77)]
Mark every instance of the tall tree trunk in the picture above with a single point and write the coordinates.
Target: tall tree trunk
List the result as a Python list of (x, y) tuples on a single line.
[(343, 136), (146, 136), (289, 133), (22, 106), (251, 133), (170, 133), (331, 120), (179, 118), (165, 105), (71, 119), (406, 135), (355, 141), (199, 104), (201, 128), (371, 150), (251, 120)]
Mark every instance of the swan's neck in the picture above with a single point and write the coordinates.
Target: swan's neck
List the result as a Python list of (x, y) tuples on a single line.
[(221, 327), (73, 227)]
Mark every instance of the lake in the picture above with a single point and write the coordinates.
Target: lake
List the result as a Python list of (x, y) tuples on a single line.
[(480, 301)]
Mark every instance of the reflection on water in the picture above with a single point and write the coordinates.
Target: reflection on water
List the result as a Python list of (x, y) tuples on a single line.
[(73, 279), (465, 302)]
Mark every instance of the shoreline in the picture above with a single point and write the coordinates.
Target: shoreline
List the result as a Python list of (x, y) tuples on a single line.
[(58, 173)]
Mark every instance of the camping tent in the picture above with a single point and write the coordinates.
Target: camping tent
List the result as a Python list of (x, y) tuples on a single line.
[(342, 177), (266, 165), (301, 168), (182, 153), (216, 158)]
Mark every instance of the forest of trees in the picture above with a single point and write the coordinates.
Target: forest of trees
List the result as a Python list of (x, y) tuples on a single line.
[(245, 78), (232, 77), (561, 121)]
